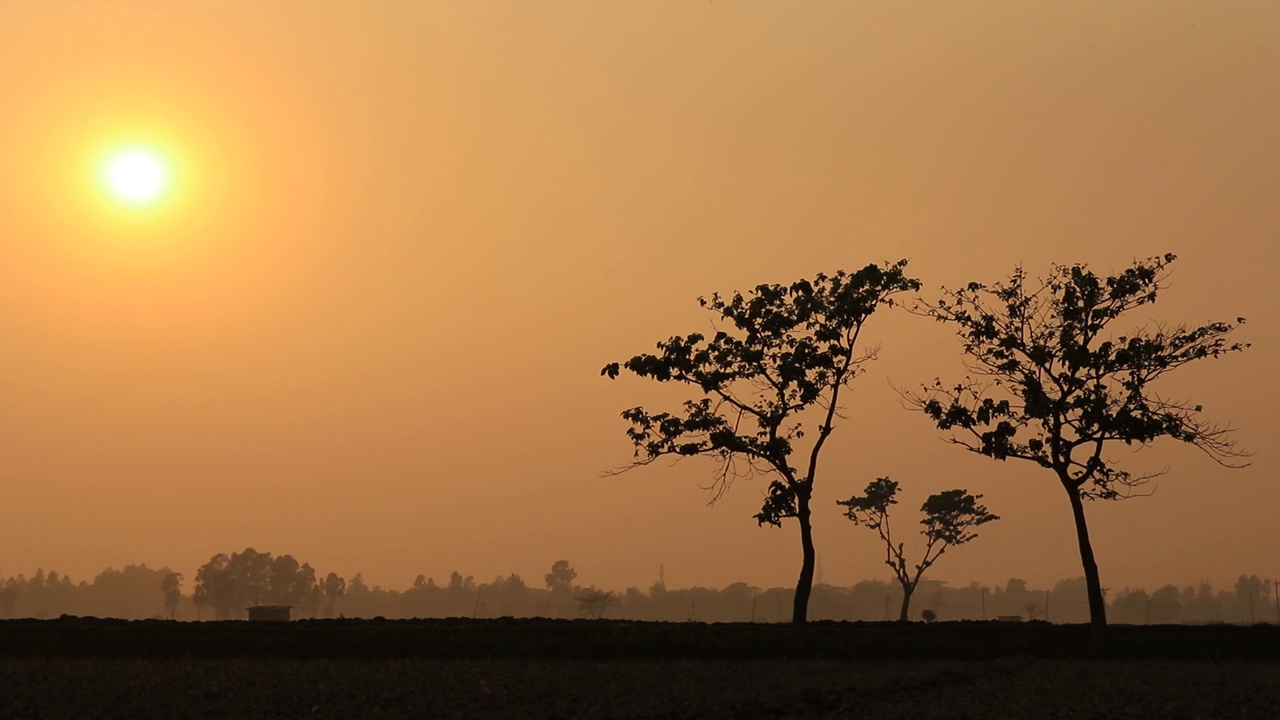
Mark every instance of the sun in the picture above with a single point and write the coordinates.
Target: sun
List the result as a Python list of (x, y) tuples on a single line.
[(136, 176)]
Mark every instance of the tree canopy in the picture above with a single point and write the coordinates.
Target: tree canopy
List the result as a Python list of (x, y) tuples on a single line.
[(1052, 384), (775, 353)]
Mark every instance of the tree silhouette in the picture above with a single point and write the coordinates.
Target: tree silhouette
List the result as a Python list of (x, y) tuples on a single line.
[(561, 577), (229, 584), (1050, 385), (780, 351), (594, 602), (171, 588), (216, 587), (333, 588), (949, 519)]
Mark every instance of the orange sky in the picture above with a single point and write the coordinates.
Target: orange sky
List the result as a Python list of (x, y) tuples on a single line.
[(366, 329)]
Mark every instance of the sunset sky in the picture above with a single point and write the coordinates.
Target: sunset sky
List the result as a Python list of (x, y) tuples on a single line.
[(363, 317)]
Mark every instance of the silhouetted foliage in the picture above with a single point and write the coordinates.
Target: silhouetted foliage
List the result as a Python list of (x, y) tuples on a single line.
[(1052, 386), (136, 593), (333, 588), (230, 584), (594, 602), (779, 351), (949, 519), (171, 588), (560, 579)]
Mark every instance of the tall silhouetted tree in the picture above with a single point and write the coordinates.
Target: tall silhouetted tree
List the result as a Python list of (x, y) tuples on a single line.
[(333, 588), (216, 587), (949, 519), (779, 351), (1053, 385), (171, 588)]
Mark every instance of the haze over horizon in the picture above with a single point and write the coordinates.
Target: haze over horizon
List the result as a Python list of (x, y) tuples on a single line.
[(366, 327)]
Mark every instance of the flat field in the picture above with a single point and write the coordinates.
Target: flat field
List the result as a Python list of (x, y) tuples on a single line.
[(601, 669)]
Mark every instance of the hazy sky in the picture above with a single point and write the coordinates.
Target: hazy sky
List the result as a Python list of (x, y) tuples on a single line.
[(365, 328)]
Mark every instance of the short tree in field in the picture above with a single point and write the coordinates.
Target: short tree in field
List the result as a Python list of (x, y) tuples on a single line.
[(593, 602), (778, 351), (949, 519), (1052, 384)]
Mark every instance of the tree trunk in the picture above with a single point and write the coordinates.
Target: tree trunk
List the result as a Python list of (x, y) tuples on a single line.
[(906, 603), (804, 586), (1093, 585)]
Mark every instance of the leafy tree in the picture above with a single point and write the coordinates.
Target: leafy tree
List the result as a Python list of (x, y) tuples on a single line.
[(560, 579), (1252, 594), (1166, 605), (779, 351), (333, 588), (949, 519), (200, 598), (291, 583), (1051, 384), (229, 584), (1131, 607), (216, 587), (594, 602), (171, 589)]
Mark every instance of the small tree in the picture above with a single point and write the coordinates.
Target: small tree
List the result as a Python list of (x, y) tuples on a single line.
[(781, 350), (593, 602), (949, 519), (1051, 386)]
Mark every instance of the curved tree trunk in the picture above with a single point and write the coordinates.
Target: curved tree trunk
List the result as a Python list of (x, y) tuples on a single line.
[(804, 586), (1093, 584), (906, 604)]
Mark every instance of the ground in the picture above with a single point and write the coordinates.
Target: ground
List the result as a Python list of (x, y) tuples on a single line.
[(546, 669)]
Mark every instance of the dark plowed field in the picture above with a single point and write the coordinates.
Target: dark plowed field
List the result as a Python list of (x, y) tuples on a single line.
[(601, 669)]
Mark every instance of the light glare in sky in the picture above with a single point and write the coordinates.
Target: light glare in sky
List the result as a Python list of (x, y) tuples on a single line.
[(136, 176)]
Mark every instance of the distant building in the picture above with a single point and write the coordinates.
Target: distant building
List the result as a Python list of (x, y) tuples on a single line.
[(272, 613), (999, 618)]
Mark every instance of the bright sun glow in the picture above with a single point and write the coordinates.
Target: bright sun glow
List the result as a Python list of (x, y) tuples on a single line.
[(136, 176)]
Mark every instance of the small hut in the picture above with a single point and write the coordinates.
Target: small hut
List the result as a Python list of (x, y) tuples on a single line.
[(269, 613)]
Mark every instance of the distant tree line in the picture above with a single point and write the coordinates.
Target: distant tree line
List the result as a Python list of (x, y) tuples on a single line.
[(134, 593), (227, 584)]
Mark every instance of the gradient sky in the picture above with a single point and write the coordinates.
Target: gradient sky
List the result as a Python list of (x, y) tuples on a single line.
[(366, 328)]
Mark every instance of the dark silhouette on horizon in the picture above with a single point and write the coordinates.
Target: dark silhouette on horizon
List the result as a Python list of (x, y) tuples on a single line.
[(137, 593)]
